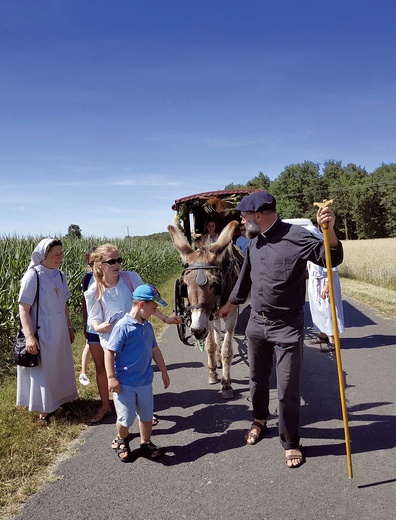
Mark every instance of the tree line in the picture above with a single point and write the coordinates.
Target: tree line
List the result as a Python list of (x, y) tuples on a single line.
[(364, 203)]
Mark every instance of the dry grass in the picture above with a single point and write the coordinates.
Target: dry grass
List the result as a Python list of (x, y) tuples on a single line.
[(378, 298)]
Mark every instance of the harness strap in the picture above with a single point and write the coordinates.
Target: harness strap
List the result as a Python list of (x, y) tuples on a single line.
[(201, 266)]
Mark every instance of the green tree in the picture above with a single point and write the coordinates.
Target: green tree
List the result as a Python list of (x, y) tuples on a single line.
[(343, 183), (365, 204), (74, 231), (384, 183), (260, 182), (233, 186), (296, 189), (368, 213)]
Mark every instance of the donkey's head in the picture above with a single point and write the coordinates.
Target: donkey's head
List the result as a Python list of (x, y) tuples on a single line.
[(203, 275)]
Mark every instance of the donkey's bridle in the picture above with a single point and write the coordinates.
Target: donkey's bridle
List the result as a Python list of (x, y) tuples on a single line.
[(201, 280), (201, 277)]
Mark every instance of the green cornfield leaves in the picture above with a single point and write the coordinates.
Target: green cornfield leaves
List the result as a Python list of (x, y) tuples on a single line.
[(154, 258)]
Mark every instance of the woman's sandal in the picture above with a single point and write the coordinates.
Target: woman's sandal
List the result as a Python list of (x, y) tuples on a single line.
[(122, 449), (150, 450), (154, 420), (298, 456), (319, 340), (101, 414), (251, 437), (44, 421)]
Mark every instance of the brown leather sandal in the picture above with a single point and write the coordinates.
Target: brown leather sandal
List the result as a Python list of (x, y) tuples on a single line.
[(298, 456), (251, 437), (330, 347), (100, 415)]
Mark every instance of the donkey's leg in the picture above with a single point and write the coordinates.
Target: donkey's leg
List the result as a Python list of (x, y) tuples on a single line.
[(217, 340), (227, 354), (210, 346)]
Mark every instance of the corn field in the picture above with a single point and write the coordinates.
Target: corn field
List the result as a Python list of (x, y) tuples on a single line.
[(154, 258)]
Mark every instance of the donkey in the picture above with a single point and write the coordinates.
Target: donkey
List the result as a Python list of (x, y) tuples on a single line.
[(209, 275)]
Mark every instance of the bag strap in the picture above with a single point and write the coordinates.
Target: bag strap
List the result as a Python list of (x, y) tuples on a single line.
[(37, 298), (86, 280), (127, 279)]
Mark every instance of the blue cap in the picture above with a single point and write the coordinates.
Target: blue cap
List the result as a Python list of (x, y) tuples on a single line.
[(257, 201), (148, 292)]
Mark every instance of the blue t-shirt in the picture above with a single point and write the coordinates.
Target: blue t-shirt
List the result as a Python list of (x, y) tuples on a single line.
[(242, 242), (133, 344)]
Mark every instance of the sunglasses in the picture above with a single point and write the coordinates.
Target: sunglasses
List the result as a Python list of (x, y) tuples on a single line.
[(113, 261), (91, 264)]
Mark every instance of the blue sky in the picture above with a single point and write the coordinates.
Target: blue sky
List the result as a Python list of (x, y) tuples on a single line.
[(109, 110)]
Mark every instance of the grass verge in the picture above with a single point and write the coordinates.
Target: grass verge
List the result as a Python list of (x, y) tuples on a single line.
[(378, 298), (28, 451)]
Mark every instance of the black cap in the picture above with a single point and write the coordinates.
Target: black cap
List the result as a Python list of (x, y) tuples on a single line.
[(258, 201)]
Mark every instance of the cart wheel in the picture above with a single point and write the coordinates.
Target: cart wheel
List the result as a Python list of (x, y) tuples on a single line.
[(180, 310)]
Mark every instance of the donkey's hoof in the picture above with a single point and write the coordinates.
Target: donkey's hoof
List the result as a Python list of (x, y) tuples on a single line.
[(227, 393), (213, 378)]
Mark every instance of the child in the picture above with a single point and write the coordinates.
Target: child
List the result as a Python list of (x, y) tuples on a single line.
[(91, 338), (128, 357)]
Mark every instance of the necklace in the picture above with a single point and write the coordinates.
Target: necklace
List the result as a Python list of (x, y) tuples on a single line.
[(56, 288)]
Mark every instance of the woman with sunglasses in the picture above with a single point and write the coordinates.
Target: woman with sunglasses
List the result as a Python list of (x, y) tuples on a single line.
[(108, 300)]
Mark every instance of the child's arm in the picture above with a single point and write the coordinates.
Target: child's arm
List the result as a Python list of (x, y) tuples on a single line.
[(112, 381), (170, 320), (159, 361)]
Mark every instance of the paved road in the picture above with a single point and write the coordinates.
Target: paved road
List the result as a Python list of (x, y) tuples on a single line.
[(208, 472)]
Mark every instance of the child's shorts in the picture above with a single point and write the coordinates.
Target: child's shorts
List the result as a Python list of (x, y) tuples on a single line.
[(134, 401)]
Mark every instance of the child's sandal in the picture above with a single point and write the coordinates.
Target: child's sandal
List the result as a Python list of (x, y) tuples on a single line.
[(121, 447), (150, 450)]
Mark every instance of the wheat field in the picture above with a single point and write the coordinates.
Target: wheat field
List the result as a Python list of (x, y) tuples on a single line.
[(371, 261)]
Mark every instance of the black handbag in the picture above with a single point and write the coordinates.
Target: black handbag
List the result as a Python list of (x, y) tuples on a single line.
[(21, 357)]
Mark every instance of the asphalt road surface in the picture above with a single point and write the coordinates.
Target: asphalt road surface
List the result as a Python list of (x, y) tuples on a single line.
[(208, 472)]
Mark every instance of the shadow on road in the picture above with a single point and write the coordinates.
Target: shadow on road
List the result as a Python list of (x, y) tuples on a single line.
[(212, 419), (369, 431), (353, 318)]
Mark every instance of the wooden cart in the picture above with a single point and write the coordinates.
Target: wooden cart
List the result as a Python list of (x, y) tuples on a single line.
[(192, 213)]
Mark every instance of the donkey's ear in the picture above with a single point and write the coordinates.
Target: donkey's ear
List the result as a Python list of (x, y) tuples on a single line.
[(180, 242)]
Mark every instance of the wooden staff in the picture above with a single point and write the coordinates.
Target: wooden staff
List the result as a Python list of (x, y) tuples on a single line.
[(325, 228)]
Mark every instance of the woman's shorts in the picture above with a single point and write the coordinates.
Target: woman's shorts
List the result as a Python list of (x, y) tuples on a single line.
[(92, 338), (134, 401)]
